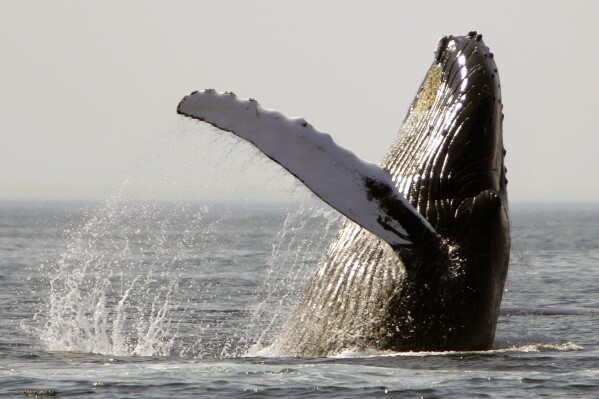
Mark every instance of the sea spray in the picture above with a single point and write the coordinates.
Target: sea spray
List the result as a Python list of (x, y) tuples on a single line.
[(298, 247), (141, 278), (112, 289)]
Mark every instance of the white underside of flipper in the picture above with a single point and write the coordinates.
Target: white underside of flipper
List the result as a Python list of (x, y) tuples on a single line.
[(333, 173)]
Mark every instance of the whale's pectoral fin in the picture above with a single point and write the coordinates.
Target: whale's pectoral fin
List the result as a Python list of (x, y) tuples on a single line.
[(361, 191), (482, 222)]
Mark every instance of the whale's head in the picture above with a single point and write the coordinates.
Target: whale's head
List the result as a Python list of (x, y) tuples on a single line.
[(450, 147), (448, 161)]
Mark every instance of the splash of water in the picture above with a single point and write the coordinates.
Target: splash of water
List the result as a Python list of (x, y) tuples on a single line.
[(112, 289), (145, 278), (151, 280), (296, 251)]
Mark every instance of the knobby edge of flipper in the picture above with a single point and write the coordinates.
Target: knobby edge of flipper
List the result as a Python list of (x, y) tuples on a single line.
[(361, 191)]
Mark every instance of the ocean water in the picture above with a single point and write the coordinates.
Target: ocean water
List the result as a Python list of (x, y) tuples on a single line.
[(149, 300)]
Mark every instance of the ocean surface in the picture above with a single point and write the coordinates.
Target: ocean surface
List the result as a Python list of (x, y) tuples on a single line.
[(151, 300)]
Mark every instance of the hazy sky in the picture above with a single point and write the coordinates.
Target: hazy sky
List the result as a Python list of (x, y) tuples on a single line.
[(88, 90)]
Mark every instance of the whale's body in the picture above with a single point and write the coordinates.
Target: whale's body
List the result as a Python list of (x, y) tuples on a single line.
[(422, 262)]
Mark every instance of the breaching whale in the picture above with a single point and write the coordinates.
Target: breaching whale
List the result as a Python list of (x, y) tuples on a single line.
[(421, 262)]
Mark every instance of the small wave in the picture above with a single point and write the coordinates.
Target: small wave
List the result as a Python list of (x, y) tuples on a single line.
[(562, 347), (533, 343), (514, 347), (530, 343), (516, 311)]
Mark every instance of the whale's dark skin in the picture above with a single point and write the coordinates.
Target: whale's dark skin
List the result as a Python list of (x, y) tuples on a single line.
[(442, 293), (422, 263)]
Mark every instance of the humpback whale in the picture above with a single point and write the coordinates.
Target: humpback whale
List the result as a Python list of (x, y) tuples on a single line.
[(421, 261)]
